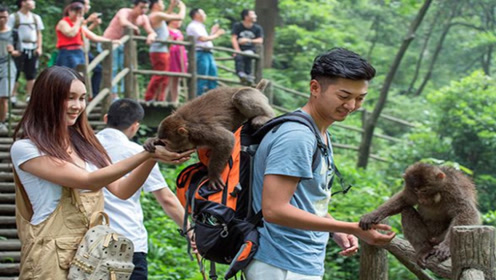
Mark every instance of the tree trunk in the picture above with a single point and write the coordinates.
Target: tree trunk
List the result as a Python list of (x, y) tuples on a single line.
[(472, 247), (373, 262), (439, 47), (364, 150), (268, 13), (424, 48)]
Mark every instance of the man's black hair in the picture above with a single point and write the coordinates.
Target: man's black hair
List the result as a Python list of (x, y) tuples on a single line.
[(244, 13), (136, 2), (123, 113), (19, 3), (193, 12), (152, 2), (341, 63), (3, 9)]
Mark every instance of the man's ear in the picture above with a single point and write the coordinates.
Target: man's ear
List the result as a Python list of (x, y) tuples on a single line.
[(315, 87), (105, 118)]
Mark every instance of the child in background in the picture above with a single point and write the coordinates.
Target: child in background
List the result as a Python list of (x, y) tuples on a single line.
[(178, 58)]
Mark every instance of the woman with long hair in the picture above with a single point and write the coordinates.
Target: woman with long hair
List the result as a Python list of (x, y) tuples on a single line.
[(60, 168)]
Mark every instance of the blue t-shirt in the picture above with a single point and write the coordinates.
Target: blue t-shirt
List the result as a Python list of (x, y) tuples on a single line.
[(288, 151)]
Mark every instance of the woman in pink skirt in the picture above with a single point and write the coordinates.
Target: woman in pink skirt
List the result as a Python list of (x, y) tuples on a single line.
[(178, 59)]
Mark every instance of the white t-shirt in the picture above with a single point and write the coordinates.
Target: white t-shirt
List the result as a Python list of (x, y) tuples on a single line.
[(43, 195), (126, 216), (27, 29), (197, 29)]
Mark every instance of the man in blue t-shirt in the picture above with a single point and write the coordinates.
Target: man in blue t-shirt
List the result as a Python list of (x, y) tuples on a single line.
[(244, 36), (293, 196)]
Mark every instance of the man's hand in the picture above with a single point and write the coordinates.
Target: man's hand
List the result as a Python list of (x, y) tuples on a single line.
[(38, 51), (374, 237), (165, 156), (243, 41), (347, 242), (15, 53)]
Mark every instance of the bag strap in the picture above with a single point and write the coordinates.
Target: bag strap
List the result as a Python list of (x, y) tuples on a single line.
[(26, 209), (94, 220)]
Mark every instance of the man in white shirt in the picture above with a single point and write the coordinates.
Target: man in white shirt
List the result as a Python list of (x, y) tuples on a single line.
[(205, 63), (126, 216), (27, 27)]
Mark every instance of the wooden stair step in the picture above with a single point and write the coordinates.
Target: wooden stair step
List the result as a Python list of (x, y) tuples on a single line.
[(4, 155), (7, 198), (6, 140), (7, 187), (9, 233), (6, 166), (9, 269), (5, 147), (7, 222), (10, 256), (10, 245), (7, 209)]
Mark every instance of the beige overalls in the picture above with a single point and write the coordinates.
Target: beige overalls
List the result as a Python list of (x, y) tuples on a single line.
[(48, 248)]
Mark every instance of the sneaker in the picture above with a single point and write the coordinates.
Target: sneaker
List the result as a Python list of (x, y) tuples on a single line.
[(13, 99)]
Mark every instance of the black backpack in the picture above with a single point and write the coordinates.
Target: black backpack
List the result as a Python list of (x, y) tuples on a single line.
[(224, 224)]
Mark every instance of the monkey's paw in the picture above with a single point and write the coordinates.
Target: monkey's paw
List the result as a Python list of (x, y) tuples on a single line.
[(368, 220), (215, 184), (440, 253), (150, 144), (259, 121)]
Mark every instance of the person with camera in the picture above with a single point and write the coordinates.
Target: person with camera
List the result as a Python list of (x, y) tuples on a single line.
[(70, 31), (92, 22), (159, 53)]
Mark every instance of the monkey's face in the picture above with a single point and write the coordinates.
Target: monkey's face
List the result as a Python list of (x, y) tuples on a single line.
[(173, 133), (424, 180)]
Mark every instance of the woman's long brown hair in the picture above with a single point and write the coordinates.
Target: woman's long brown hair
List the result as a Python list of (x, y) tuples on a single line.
[(44, 120)]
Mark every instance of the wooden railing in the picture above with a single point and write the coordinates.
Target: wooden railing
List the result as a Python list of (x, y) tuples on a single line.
[(472, 257), (132, 70)]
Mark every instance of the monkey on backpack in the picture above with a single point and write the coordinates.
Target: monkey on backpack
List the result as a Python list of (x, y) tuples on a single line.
[(209, 121), (444, 198)]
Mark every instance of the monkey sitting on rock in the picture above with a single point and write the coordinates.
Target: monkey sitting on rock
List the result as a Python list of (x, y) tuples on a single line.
[(443, 197), (209, 121)]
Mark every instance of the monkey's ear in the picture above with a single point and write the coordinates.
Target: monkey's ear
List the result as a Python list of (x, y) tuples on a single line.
[(182, 131), (441, 175)]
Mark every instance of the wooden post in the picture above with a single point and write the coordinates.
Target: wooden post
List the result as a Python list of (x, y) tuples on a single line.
[(373, 262), (128, 63), (107, 75), (259, 63), (192, 69), (269, 92), (473, 252)]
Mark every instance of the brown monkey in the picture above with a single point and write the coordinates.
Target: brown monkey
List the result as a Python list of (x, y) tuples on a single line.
[(444, 198), (208, 121)]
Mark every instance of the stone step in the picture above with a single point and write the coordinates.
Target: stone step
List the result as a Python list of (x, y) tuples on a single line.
[(9, 233), (6, 140), (10, 256), (5, 147), (7, 222), (7, 209), (4, 155), (10, 245), (6, 167), (7, 198), (9, 278), (7, 187), (9, 269)]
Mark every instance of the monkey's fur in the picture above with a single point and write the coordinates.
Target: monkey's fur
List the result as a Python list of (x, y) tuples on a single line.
[(444, 198), (209, 121)]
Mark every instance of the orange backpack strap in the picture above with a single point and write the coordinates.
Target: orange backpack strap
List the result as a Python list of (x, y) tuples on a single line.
[(23, 204)]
